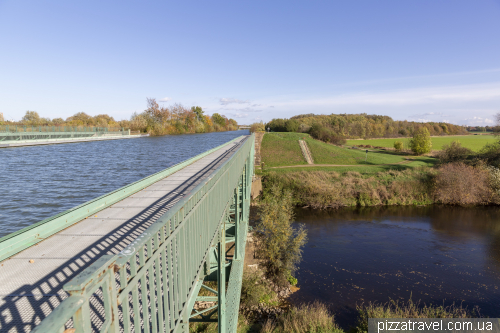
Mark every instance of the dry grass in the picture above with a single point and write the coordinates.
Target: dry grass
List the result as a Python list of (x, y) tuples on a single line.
[(307, 318), (329, 189), (410, 309)]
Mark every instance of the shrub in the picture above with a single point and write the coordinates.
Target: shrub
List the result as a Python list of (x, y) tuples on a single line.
[(410, 309), (326, 134), (257, 127), (494, 180), (421, 142), (292, 125), (461, 184), (280, 245), (293, 281), (255, 289), (398, 145), (454, 152), (304, 128), (490, 154), (307, 318)]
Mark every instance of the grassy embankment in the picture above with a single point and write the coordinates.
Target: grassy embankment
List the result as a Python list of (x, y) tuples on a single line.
[(341, 176)]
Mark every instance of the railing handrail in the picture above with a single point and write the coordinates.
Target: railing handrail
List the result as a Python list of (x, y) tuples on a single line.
[(57, 128), (26, 237), (154, 240)]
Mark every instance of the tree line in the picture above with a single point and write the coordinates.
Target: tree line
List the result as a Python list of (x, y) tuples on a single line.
[(353, 126), (177, 119), (155, 120)]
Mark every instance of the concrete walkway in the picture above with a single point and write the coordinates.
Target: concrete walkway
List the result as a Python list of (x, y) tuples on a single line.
[(31, 281), (11, 144)]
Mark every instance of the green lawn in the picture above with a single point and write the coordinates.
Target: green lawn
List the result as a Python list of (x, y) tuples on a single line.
[(474, 142), (421, 161), (281, 149), (324, 153)]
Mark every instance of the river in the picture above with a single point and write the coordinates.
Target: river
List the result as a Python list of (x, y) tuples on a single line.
[(37, 182), (434, 254)]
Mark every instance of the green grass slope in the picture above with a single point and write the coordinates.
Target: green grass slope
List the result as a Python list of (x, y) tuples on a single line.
[(279, 149), (282, 149), (324, 153), (473, 142)]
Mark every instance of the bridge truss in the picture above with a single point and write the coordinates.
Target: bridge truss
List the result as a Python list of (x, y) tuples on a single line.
[(154, 283)]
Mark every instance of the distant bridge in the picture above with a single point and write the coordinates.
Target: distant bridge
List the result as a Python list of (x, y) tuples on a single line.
[(135, 260), (244, 127), (16, 136)]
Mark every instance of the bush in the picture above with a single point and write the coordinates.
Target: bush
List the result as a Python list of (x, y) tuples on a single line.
[(255, 289), (304, 128), (280, 245), (257, 127), (490, 154), (292, 125), (461, 184), (494, 180), (398, 145), (421, 142), (396, 309), (326, 134), (454, 152), (307, 318)]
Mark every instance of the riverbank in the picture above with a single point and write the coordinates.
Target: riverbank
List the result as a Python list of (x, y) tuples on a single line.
[(347, 176)]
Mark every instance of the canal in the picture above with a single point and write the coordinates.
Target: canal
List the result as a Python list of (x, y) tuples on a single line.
[(37, 182)]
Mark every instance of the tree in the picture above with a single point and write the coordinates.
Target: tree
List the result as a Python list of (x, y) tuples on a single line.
[(199, 113), (398, 145), (421, 142), (292, 125), (218, 119), (31, 118), (280, 244)]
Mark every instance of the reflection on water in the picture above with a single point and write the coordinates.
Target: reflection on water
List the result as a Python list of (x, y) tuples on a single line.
[(37, 182), (434, 254)]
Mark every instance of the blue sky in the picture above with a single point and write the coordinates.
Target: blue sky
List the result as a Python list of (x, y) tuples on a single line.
[(253, 60)]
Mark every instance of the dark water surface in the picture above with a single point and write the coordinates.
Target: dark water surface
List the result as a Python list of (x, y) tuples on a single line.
[(433, 254), (40, 181)]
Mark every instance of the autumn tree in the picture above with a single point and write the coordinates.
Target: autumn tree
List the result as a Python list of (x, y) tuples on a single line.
[(31, 118)]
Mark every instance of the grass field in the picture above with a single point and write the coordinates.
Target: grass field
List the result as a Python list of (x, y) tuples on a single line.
[(282, 149), (324, 153), (473, 142), (363, 169)]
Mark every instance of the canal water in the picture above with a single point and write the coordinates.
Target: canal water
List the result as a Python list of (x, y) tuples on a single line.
[(438, 255), (38, 182)]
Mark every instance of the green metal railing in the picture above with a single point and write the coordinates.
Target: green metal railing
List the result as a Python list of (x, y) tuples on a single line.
[(153, 284), (31, 129), (11, 134)]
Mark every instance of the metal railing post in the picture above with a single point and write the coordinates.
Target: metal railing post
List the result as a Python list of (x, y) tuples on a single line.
[(221, 279)]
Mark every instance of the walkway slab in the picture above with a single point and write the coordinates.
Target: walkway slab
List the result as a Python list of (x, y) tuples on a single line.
[(31, 281)]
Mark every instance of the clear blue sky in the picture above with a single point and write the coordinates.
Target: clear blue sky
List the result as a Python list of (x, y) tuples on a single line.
[(252, 60)]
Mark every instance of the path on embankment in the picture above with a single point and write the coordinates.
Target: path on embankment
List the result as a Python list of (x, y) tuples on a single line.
[(31, 281), (339, 165)]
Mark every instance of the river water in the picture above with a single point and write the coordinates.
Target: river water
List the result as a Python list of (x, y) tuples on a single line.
[(38, 182), (435, 254)]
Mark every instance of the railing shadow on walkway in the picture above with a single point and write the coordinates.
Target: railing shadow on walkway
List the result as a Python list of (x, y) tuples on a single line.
[(26, 307)]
